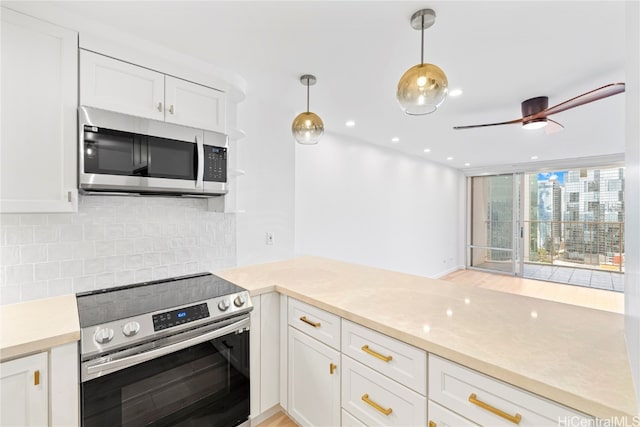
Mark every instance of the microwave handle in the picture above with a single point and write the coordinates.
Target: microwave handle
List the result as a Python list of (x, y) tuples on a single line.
[(200, 167)]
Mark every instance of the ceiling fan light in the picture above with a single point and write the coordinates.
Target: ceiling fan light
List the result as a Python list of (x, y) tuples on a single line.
[(535, 124)]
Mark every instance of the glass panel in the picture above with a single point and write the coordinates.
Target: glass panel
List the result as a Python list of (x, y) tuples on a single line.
[(113, 152), (172, 159), (492, 222)]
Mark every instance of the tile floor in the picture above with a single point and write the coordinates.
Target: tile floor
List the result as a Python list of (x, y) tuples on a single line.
[(598, 279)]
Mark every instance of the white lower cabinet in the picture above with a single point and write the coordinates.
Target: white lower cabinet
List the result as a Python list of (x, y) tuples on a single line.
[(313, 381), (349, 420), (442, 417), (24, 391), (377, 400)]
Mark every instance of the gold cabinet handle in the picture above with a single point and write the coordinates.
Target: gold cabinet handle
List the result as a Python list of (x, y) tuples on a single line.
[(36, 377), (366, 349), (365, 398), (332, 368), (432, 424), (309, 322), (513, 418)]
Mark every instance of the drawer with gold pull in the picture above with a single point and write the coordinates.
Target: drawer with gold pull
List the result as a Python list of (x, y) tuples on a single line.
[(488, 401), (389, 356), (376, 400), (318, 323), (442, 417)]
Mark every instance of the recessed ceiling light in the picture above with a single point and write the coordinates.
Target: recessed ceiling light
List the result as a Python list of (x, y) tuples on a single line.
[(427, 150), (534, 157), (350, 123), (467, 164), (455, 92), (449, 158), (395, 139)]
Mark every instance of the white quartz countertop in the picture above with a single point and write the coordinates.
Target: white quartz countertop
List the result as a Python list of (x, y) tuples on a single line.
[(573, 355), (35, 326)]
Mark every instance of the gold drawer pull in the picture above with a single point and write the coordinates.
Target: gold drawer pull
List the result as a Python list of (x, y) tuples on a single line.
[(36, 378), (332, 368), (366, 349), (365, 398), (513, 418), (309, 322), (432, 424)]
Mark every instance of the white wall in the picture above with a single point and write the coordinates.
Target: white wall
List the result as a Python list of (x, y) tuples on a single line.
[(366, 204), (632, 193), (110, 241), (265, 192)]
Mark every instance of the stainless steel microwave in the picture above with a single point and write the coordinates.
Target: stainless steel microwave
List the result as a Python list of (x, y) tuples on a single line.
[(127, 154)]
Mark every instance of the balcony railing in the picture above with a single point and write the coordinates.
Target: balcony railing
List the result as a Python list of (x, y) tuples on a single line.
[(590, 244)]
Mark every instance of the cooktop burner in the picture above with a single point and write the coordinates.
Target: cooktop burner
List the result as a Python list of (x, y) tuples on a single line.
[(106, 305)]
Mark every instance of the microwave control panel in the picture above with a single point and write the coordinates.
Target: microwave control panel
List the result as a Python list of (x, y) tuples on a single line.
[(215, 164)]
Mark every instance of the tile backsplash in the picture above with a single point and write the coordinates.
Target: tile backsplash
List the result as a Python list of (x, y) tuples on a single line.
[(111, 241)]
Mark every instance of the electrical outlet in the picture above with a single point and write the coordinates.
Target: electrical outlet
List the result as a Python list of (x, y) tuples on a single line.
[(269, 238)]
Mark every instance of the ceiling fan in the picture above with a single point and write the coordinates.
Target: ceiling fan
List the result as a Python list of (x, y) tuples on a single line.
[(535, 111)]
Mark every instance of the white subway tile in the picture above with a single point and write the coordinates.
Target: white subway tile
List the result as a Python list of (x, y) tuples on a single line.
[(60, 218), (17, 235), (70, 232), (7, 219), (114, 263), (33, 253), (176, 270), (71, 268), (60, 251), (168, 258), (19, 274), (160, 273), (33, 219), (125, 277), (93, 231), (153, 259), (60, 287), (46, 233), (84, 283), (93, 266), (160, 244), (33, 291), (9, 294), (134, 262), (182, 256), (143, 245), (84, 250), (191, 268), (152, 229), (124, 247), (47, 270), (144, 275), (113, 231), (105, 280), (105, 248), (10, 255), (134, 230)]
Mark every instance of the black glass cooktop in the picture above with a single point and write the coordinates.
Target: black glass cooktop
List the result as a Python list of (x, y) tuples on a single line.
[(107, 305)]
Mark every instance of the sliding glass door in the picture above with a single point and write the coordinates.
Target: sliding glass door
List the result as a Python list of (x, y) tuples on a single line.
[(494, 231)]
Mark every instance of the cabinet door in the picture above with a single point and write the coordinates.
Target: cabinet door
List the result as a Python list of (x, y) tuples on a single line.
[(38, 166), (194, 105), (121, 87), (314, 381), (24, 392)]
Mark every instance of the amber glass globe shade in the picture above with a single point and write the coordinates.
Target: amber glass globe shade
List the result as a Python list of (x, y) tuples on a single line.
[(307, 128), (422, 89)]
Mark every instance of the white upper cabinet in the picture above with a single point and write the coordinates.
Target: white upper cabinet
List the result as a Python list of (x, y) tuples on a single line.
[(119, 86), (122, 87), (38, 148), (194, 105)]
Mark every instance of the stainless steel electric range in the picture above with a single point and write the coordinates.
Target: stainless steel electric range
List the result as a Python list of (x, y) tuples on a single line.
[(172, 352)]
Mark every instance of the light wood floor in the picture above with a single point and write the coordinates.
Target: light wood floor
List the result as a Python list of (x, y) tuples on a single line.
[(278, 420), (568, 294)]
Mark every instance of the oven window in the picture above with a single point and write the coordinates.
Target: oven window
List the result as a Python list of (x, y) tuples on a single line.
[(172, 159), (203, 385)]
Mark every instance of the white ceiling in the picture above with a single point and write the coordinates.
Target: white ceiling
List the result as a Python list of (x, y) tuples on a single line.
[(499, 53)]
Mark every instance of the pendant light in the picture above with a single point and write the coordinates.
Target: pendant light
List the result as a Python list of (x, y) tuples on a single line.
[(423, 87), (307, 127)]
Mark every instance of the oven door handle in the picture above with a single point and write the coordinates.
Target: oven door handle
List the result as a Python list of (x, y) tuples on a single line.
[(115, 365)]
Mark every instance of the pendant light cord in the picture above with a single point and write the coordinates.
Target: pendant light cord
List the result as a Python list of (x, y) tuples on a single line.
[(422, 42), (307, 94)]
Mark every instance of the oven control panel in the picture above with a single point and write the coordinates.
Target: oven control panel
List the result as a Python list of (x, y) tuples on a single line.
[(184, 315)]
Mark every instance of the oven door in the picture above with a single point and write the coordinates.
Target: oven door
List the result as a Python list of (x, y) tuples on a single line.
[(204, 383)]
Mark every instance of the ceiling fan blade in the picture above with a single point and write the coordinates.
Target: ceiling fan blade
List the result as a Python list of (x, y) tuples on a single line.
[(585, 98), (552, 127), (488, 124)]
